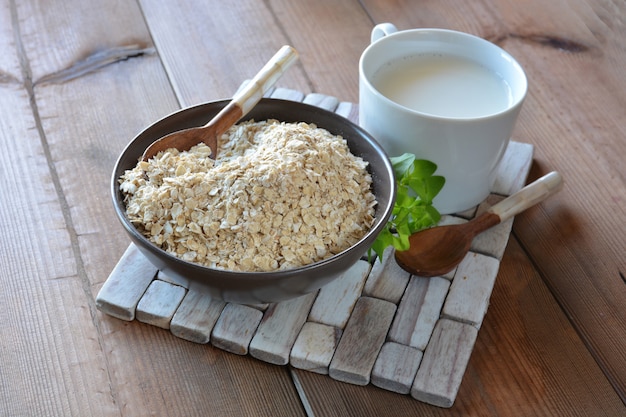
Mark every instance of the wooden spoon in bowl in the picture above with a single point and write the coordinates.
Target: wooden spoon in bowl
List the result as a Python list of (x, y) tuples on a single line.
[(439, 250), (240, 105)]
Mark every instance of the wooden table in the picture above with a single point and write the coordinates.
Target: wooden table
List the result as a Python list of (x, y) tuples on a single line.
[(78, 79)]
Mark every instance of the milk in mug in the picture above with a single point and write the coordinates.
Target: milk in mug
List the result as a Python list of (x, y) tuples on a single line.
[(444, 85)]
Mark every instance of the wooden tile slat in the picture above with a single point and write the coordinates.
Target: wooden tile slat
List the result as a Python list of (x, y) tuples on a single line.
[(279, 328), (361, 341), (158, 305), (173, 279), (336, 300), (387, 280), (315, 346), (195, 318), (492, 242), (513, 169), (235, 328), (125, 286), (396, 366), (321, 100), (419, 311), (444, 362), (471, 288)]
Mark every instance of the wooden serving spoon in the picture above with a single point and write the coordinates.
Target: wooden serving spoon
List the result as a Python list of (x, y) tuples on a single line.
[(439, 250), (239, 106)]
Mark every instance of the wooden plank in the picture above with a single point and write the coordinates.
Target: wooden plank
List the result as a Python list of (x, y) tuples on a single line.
[(336, 300), (279, 328), (175, 280), (443, 365), (396, 367), (361, 341), (419, 311), (235, 328), (119, 296), (471, 288), (159, 304), (387, 280), (196, 316), (75, 42), (348, 110), (329, 21), (513, 169), (314, 347), (213, 71), (324, 101), (51, 349), (46, 323)]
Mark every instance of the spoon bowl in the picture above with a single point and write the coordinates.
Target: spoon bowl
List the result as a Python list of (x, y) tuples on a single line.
[(239, 106), (438, 250), (425, 256)]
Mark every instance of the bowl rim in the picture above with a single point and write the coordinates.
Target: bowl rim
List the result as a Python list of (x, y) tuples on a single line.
[(379, 223)]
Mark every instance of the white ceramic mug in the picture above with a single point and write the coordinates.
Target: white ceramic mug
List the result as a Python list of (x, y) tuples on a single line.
[(461, 118)]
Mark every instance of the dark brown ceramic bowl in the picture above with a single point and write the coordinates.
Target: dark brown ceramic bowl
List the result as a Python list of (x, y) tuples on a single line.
[(261, 287)]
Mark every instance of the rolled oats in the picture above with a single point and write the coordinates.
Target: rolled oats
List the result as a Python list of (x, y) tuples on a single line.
[(279, 196)]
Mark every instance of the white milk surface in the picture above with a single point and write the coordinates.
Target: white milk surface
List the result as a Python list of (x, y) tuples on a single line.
[(445, 86)]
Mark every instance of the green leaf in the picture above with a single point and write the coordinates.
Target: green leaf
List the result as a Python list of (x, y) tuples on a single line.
[(413, 211), (402, 163), (423, 168), (426, 188)]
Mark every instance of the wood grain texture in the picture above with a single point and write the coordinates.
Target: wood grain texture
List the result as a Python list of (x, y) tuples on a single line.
[(361, 341), (334, 310), (196, 316), (235, 328), (279, 329), (119, 297), (492, 242), (159, 304), (78, 79), (387, 280), (314, 348), (471, 289), (418, 311), (345, 25), (43, 298), (396, 367), (211, 67), (443, 365)]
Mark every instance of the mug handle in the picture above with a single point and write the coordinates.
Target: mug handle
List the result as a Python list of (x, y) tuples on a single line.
[(381, 30)]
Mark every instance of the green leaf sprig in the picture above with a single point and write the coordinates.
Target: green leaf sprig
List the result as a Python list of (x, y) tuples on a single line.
[(413, 211)]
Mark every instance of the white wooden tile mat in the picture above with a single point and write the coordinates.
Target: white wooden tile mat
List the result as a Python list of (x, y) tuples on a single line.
[(375, 324)]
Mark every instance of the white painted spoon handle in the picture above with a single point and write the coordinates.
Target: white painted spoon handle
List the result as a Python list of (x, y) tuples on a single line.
[(252, 93), (528, 196)]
